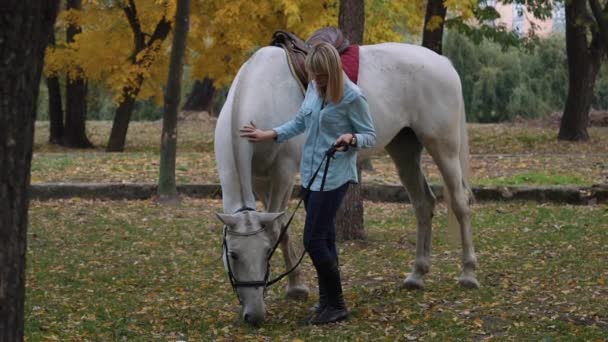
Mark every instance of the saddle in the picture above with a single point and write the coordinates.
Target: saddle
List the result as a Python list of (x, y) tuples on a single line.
[(297, 49)]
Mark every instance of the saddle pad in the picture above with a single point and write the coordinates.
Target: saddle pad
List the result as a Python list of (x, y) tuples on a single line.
[(350, 62)]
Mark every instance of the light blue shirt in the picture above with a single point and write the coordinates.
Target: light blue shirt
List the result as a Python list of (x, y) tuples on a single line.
[(323, 124)]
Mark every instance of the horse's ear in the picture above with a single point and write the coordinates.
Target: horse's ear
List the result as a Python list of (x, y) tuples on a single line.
[(270, 217), (227, 219)]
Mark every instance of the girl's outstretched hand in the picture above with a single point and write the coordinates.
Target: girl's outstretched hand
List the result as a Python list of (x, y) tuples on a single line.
[(254, 134)]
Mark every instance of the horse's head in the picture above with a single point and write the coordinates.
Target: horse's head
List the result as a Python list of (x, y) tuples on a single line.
[(248, 244)]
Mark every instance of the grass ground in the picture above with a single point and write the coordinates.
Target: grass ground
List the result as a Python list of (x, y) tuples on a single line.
[(500, 155), (135, 271)]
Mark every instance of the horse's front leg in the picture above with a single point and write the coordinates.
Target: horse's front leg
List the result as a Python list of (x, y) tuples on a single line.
[(281, 185)]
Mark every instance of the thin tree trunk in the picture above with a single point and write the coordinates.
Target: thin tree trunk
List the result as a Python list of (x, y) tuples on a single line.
[(352, 20), (55, 106), (25, 28), (583, 65), (75, 134), (349, 219), (167, 191), (432, 37), (201, 96), (75, 114), (55, 111), (120, 126)]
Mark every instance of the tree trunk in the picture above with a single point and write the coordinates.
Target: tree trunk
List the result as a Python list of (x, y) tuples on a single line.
[(25, 28), (583, 65), (352, 20), (349, 219), (55, 111), (201, 96), (75, 114), (167, 191), (55, 106), (120, 125), (75, 134), (432, 37)]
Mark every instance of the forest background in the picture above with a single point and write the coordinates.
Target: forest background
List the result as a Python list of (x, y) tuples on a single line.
[(502, 80)]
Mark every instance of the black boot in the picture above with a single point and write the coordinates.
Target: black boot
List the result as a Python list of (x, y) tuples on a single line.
[(335, 310), (320, 306)]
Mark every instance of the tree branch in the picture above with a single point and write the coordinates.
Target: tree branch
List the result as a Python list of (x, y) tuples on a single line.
[(600, 18), (138, 36), (160, 32)]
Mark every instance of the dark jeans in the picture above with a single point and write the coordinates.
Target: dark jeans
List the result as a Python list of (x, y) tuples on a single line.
[(320, 226)]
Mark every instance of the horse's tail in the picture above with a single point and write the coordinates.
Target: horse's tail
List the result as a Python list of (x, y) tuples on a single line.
[(242, 150), (233, 165), (463, 155)]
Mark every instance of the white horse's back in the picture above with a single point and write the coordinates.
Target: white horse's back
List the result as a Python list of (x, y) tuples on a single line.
[(409, 86), (405, 86)]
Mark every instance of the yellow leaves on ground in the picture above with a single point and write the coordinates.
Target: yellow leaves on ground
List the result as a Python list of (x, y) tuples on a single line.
[(135, 270), (546, 162)]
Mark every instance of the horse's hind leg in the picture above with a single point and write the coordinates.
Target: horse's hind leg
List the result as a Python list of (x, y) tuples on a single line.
[(405, 151), (445, 154)]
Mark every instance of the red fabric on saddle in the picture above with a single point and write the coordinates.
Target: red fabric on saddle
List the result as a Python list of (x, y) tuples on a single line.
[(350, 62)]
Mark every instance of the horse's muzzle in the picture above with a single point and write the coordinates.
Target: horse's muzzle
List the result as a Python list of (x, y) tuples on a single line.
[(254, 317)]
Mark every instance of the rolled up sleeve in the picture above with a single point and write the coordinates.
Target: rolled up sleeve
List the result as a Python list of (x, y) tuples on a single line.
[(362, 123)]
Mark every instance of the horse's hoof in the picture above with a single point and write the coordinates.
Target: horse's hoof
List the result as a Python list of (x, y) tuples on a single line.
[(299, 292), (468, 282), (413, 282)]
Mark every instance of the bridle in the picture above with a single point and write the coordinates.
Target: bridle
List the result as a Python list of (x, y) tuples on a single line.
[(265, 283)]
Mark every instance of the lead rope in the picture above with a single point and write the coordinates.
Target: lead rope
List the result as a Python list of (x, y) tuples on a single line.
[(328, 155), (235, 282)]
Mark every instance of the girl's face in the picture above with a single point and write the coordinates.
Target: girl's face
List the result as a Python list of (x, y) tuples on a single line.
[(321, 80)]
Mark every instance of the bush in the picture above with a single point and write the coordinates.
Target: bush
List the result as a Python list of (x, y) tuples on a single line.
[(499, 84)]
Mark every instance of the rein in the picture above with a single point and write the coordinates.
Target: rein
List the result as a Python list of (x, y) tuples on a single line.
[(234, 282)]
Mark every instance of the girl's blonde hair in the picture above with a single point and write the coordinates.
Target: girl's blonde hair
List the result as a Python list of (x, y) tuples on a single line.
[(323, 59)]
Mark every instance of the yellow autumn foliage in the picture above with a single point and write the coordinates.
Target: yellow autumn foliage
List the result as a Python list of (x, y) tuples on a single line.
[(102, 51), (223, 34), (464, 8), (434, 23)]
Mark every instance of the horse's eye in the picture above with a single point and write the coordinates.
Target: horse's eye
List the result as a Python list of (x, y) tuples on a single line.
[(234, 256)]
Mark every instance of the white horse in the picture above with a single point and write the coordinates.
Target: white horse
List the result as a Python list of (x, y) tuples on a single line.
[(415, 99)]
